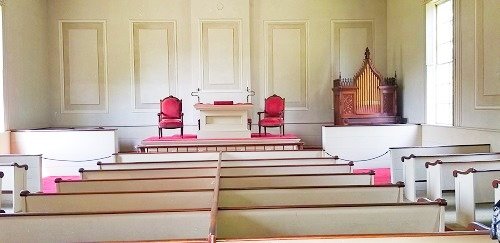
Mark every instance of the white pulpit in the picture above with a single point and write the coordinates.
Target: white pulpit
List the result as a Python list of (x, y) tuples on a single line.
[(223, 121)]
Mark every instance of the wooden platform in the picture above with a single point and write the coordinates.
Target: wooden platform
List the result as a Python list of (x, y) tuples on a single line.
[(190, 143)]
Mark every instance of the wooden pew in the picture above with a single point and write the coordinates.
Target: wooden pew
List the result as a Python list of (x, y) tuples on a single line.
[(298, 180), (115, 201), (156, 184), (34, 162), (136, 184), (415, 175), (440, 174), (290, 221), (210, 171), (399, 154), (202, 156), (213, 163), (14, 181), (312, 195), (473, 187), (182, 224), (236, 197), (441, 237)]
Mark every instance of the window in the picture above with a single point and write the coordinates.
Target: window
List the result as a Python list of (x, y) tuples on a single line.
[(439, 45)]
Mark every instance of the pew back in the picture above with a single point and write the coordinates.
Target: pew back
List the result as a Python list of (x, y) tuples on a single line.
[(398, 152), (211, 163), (310, 196), (15, 181), (473, 187), (138, 184), (34, 163), (211, 171), (329, 220), (441, 177), (111, 226), (115, 201)]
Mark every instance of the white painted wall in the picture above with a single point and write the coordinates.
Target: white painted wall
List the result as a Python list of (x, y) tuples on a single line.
[(406, 55), (442, 135), (133, 126), (26, 86), (365, 142)]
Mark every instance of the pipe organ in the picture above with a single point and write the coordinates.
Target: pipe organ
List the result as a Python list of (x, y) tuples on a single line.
[(366, 99)]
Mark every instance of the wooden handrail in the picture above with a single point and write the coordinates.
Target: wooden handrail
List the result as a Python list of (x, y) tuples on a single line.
[(106, 212), (457, 172), (403, 158), (29, 194), (319, 174), (1, 174), (495, 183), (437, 162), (454, 155), (212, 232), (20, 166)]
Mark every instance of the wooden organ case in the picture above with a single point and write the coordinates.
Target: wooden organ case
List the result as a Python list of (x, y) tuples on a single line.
[(366, 99)]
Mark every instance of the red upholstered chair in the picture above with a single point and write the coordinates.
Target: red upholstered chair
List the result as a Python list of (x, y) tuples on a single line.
[(170, 116), (274, 114)]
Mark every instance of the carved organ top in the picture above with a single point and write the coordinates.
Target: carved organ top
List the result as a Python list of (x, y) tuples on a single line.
[(368, 98)]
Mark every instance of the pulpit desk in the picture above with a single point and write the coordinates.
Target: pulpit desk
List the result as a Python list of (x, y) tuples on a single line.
[(223, 121)]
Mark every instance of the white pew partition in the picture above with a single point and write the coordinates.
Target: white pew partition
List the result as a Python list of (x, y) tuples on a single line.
[(211, 171), (313, 195), (162, 157), (137, 184), (286, 170), (260, 222), (147, 173), (34, 162), (115, 201), (473, 187), (14, 181), (297, 180), (497, 189), (199, 156), (415, 173), (440, 174), (399, 154), (244, 155), (213, 163), (110, 226)]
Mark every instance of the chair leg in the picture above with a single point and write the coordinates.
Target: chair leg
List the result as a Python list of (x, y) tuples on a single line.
[(259, 130), (182, 131), (160, 133), (265, 131), (283, 129), (199, 124)]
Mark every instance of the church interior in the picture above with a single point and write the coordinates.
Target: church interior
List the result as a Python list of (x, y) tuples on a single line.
[(249, 120)]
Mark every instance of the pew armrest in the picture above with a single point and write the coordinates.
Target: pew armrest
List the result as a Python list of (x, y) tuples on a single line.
[(475, 226)]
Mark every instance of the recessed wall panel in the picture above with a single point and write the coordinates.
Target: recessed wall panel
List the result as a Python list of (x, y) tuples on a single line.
[(221, 57), (83, 67), (286, 65), (487, 78), (349, 41), (154, 63)]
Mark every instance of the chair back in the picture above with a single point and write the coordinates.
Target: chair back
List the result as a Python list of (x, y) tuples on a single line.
[(274, 106), (171, 108)]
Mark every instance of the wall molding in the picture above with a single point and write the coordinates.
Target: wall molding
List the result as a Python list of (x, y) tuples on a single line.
[(482, 101), (270, 27), (457, 64), (78, 106), (170, 26), (235, 25)]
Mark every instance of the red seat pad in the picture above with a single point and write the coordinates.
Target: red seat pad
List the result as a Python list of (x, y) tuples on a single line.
[(170, 123), (271, 122)]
